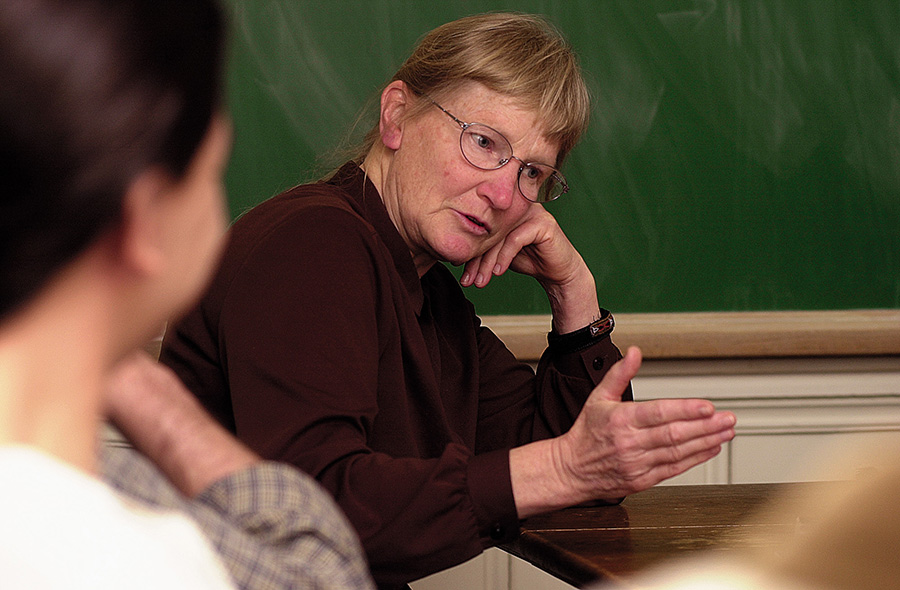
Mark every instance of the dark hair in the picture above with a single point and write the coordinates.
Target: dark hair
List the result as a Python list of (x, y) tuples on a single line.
[(92, 92)]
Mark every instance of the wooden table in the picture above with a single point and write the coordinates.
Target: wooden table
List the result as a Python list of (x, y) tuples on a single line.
[(584, 544)]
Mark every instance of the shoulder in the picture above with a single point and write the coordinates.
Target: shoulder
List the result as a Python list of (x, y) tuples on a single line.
[(312, 228), (311, 206), (309, 244), (305, 538)]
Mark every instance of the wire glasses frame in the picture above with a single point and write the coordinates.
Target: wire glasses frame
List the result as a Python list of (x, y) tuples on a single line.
[(487, 149)]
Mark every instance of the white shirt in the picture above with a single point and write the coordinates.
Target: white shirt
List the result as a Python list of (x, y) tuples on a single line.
[(62, 528)]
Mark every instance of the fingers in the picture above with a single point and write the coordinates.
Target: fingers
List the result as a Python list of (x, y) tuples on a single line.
[(493, 263), (716, 429), (643, 443), (498, 259), (657, 412), (651, 454), (535, 247), (521, 237), (644, 465), (678, 433), (470, 271), (666, 469), (479, 271), (674, 442)]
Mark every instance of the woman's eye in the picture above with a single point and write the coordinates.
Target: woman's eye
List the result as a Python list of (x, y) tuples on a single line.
[(533, 174), (483, 142)]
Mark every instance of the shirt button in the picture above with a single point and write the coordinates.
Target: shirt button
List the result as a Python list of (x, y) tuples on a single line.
[(598, 363), (497, 532)]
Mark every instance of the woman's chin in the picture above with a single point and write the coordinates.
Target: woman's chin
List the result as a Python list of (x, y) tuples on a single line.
[(458, 252), (458, 259)]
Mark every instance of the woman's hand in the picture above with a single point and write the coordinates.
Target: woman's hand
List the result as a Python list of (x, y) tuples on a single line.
[(615, 448), (538, 247)]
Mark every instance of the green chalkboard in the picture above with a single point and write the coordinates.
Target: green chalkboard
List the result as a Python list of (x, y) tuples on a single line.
[(742, 156)]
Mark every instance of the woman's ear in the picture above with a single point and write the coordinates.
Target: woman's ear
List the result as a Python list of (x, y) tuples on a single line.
[(395, 102), (141, 231)]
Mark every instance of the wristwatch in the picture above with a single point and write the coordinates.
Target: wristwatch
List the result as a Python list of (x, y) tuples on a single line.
[(585, 337)]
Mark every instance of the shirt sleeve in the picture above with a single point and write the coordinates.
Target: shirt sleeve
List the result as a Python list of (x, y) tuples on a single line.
[(518, 407), (308, 541), (272, 526), (515, 405)]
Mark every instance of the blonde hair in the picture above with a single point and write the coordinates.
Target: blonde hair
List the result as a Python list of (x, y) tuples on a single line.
[(519, 55)]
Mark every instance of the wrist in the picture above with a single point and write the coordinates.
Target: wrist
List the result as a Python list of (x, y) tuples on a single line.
[(540, 479), (574, 303), (600, 327)]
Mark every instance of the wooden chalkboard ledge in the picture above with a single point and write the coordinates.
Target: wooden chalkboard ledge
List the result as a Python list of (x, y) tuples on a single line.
[(727, 334)]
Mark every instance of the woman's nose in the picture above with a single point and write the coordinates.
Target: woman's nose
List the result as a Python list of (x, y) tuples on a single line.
[(500, 186)]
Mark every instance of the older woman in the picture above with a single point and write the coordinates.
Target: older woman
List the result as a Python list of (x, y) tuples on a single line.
[(332, 338)]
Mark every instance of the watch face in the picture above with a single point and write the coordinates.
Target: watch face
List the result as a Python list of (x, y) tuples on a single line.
[(604, 324)]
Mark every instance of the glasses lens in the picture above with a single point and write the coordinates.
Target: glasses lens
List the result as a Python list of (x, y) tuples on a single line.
[(541, 183), (484, 147), (487, 148)]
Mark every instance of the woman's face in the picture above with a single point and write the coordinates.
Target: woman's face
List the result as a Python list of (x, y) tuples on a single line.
[(445, 208)]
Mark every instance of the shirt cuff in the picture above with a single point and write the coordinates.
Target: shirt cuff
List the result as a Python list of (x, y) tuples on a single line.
[(490, 488)]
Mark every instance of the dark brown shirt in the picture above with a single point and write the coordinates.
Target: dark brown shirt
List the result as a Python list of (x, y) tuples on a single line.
[(318, 344)]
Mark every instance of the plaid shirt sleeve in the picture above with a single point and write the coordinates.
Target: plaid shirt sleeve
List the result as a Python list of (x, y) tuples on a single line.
[(273, 526)]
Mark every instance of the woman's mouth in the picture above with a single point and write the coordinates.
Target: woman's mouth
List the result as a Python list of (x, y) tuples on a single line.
[(474, 224)]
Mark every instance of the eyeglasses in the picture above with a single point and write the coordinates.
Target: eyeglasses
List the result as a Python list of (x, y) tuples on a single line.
[(487, 149)]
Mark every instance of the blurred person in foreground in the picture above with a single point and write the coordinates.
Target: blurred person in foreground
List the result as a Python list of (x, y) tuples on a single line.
[(113, 142), (113, 148), (272, 525)]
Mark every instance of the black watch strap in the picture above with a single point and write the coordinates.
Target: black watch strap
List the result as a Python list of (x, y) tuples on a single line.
[(585, 337)]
